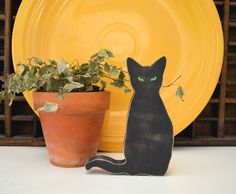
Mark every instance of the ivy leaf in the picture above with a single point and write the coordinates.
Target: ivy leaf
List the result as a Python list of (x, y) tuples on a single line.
[(107, 67), (11, 96), (23, 69), (180, 93), (55, 84), (53, 62), (62, 66), (15, 84), (121, 75), (104, 53), (83, 68), (84, 65), (43, 71), (95, 79), (93, 65), (38, 61), (2, 95), (109, 53), (104, 84), (33, 70), (114, 71), (127, 90), (48, 107), (68, 72), (118, 83), (72, 86), (101, 73), (86, 75), (29, 82), (69, 78)]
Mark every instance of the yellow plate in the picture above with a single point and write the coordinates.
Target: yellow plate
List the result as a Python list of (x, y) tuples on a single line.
[(187, 32)]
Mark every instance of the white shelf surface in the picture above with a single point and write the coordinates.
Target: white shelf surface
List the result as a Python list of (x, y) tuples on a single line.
[(193, 170)]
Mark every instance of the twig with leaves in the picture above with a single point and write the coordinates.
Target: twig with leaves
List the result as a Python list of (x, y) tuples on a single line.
[(180, 90)]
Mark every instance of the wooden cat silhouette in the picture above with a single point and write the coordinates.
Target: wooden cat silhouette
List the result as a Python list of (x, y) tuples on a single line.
[(149, 136)]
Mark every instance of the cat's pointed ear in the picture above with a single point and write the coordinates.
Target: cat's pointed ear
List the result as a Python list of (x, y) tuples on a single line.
[(132, 65), (160, 65)]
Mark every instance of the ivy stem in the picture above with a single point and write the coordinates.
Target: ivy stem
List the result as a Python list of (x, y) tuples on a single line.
[(126, 80), (167, 86), (75, 61), (109, 77), (32, 58), (121, 69), (115, 80)]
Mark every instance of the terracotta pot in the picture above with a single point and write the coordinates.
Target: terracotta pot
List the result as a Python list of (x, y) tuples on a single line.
[(72, 132)]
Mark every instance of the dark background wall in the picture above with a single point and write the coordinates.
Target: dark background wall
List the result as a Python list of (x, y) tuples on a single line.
[(215, 126)]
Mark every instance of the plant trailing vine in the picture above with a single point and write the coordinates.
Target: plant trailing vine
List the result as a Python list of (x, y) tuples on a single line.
[(63, 77), (180, 90)]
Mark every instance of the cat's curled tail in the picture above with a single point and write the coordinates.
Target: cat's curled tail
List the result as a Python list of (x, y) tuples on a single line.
[(109, 164)]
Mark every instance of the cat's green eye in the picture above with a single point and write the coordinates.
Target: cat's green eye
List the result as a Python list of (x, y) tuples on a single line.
[(153, 79), (141, 79)]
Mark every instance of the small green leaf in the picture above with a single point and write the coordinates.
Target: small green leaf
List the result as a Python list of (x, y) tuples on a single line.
[(127, 90), (121, 75), (38, 61), (29, 81), (93, 64), (180, 93), (107, 67), (83, 68), (109, 53), (55, 84), (95, 79), (43, 71), (2, 95), (114, 71), (62, 66), (23, 69), (11, 96), (118, 83), (104, 53), (101, 73), (69, 78), (86, 75), (48, 107), (33, 70), (72, 86), (104, 84), (15, 84), (53, 62)]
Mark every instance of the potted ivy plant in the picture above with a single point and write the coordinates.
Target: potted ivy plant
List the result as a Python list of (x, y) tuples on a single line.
[(71, 101)]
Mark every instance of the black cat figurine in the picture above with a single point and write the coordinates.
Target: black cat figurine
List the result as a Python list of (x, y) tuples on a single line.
[(149, 135)]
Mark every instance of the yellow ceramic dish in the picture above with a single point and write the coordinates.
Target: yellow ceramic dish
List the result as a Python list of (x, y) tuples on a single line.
[(187, 32)]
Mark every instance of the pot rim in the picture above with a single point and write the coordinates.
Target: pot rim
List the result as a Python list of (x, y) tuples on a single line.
[(89, 102), (97, 92)]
